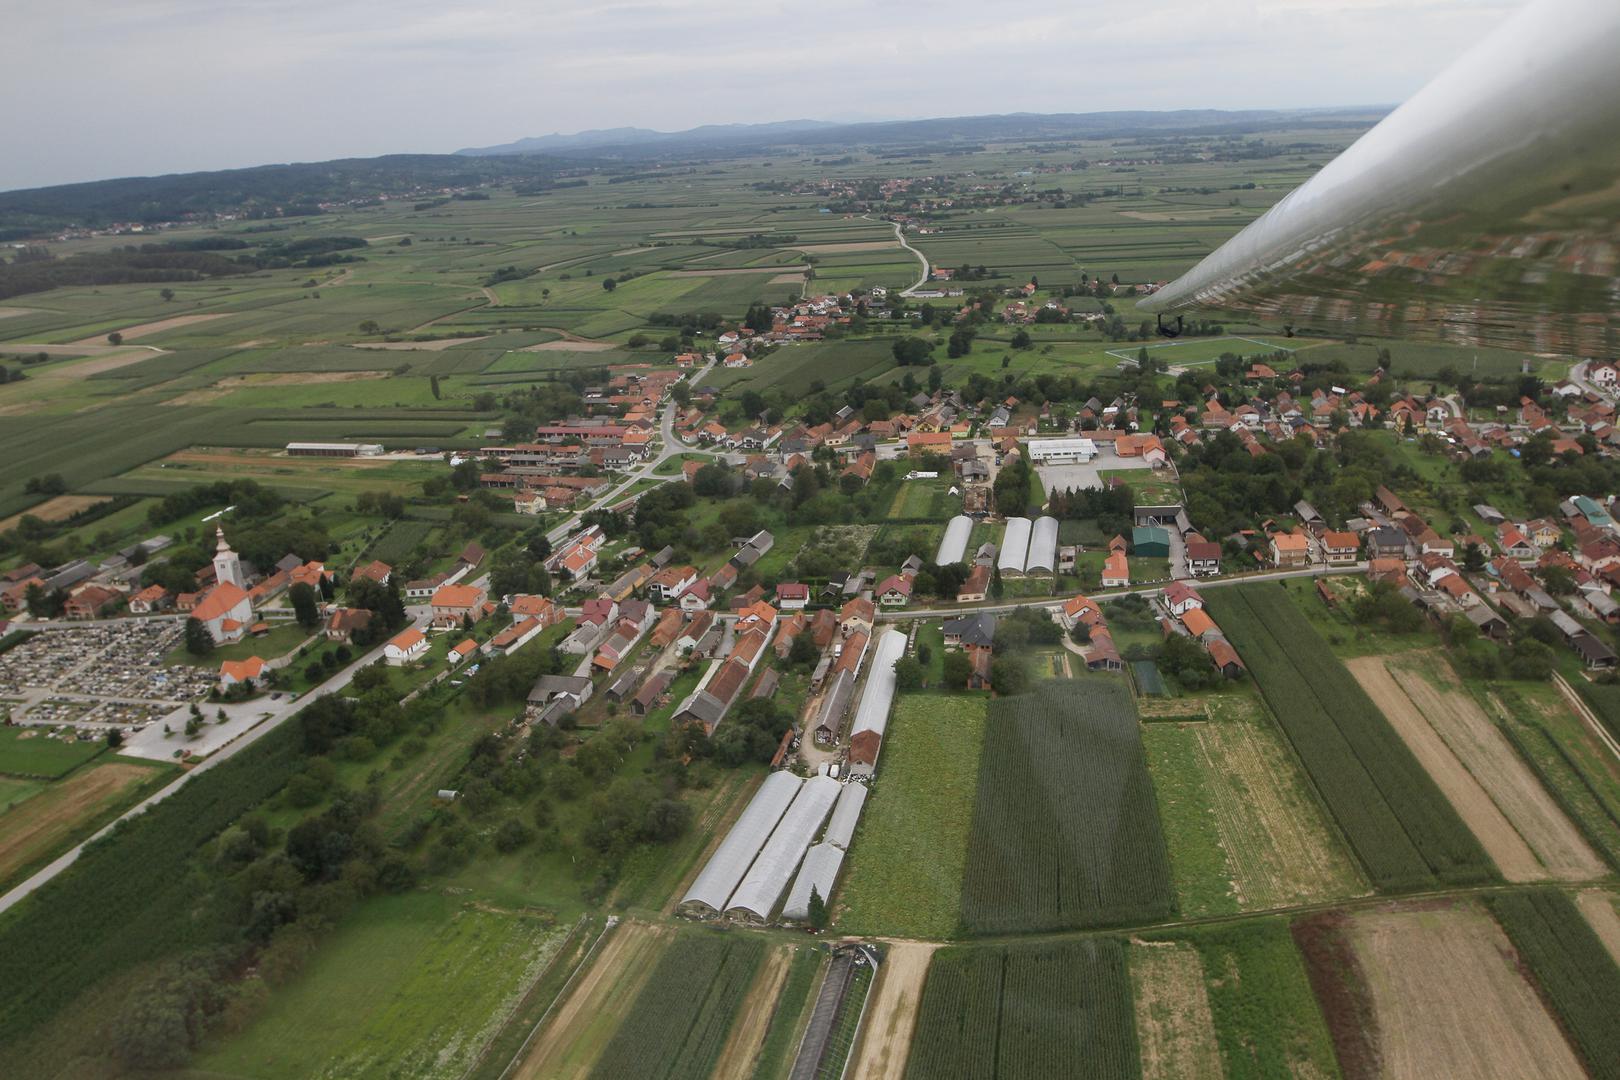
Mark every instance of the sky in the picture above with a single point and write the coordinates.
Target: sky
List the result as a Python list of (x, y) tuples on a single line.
[(145, 87)]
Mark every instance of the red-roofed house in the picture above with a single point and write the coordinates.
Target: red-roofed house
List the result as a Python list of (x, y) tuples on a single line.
[(405, 647), (232, 672), (792, 595)]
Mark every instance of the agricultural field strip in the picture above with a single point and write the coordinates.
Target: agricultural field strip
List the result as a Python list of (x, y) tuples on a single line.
[(1174, 1027), (1394, 816)]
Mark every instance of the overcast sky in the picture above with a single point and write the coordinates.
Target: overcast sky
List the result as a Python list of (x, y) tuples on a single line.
[(102, 88)]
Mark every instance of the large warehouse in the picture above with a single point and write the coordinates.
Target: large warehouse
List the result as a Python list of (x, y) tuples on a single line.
[(953, 549), (779, 859), (1043, 543), (736, 853), (333, 449), (1061, 451), (1014, 546)]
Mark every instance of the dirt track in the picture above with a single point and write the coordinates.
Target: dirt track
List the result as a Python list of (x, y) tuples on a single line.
[(733, 272), (1429, 686), (417, 346), (1450, 1002), (1173, 1020), (575, 1037), (891, 1016)]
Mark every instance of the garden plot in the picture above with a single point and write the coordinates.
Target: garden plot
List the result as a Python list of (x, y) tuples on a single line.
[(1173, 1019)]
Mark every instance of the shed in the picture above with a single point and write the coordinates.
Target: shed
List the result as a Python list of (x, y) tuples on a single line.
[(1150, 541)]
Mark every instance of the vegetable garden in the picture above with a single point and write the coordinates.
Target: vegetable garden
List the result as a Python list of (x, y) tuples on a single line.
[(1026, 1011), (1395, 818), (1066, 831)]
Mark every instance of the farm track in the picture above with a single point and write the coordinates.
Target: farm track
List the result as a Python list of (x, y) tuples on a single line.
[(1584, 711), (885, 1044)]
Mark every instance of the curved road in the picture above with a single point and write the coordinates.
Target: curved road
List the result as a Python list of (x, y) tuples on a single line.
[(900, 235)]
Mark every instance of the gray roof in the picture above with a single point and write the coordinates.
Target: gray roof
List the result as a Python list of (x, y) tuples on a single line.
[(953, 548), (774, 867), (841, 829), (703, 706), (978, 628), (1014, 545), (736, 852), (835, 702), (1042, 546), (873, 712), (820, 872), (549, 686)]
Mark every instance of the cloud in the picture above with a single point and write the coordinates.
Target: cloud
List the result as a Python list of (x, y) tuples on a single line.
[(175, 85)]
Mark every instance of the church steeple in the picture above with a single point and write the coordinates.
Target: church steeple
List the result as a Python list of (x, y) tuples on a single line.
[(227, 567)]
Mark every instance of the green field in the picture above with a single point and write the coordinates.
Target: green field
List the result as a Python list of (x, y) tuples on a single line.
[(411, 986), (905, 869), (1065, 831), (1026, 1011), (32, 752)]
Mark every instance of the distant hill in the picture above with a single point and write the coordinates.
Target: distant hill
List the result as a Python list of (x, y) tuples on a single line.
[(639, 142)]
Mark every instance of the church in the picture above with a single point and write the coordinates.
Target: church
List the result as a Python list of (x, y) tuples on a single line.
[(225, 610)]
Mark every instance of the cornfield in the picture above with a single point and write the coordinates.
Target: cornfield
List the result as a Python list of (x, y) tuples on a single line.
[(680, 1019), (1577, 975), (1026, 1011), (1065, 829), (1395, 818)]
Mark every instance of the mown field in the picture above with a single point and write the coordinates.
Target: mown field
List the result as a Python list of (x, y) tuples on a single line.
[(30, 752), (904, 875), (1026, 1011), (1391, 812), (1065, 829)]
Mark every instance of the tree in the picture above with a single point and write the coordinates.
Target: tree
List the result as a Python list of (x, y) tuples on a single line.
[(608, 284), (908, 673), (115, 338), (306, 607), (199, 642), (115, 738), (804, 653), (370, 327), (957, 670), (996, 587), (167, 294), (910, 350), (817, 910), (1022, 340)]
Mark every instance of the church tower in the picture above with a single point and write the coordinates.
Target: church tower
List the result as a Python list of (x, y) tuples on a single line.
[(227, 567)]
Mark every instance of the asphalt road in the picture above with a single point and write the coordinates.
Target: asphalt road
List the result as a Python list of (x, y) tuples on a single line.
[(900, 235)]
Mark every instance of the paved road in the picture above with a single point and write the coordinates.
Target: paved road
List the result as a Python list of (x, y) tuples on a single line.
[(279, 714), (899, 234), (1002, 607)]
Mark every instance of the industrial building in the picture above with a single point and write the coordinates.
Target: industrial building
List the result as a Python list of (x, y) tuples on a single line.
[(333, 449), (1061, 451)]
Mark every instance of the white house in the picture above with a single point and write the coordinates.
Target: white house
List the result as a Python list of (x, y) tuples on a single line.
[(407, 646)]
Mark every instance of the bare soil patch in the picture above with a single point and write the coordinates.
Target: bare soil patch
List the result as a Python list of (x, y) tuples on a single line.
[(49, 818), (135, 333), (58, 509), (1472, 803), (1598, 907), (1450, 1000), (417, 346), (1174, 1025), (577, 1033), (748, 1029), (891, 1015), (580, 345), (8, 312), (299, 378), (787, 279), (858, 245)]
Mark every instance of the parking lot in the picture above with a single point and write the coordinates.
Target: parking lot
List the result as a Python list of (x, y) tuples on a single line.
[(1089, 475)]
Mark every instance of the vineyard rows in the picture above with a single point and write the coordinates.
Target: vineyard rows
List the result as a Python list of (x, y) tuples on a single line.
[(1578, 977), (679, 1022), (1395, 818), (1026, 1011), (1065, 830)]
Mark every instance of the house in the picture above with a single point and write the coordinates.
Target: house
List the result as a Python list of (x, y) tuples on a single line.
[(554, 696), (792, 596), (343, 622), (1290, 550), (89, 602), (696, 629), (1386, 542), (1224, 657), (1515, 544), (976, 587), (408, 646), (377, 571), (543, 608), (1203, 558), (856, 615), (617, 646), (151, 599), (1078, 610), (1116, 573), (651, 692), (1338, 548), (895, 591), (697, 596), (670, 582), (232, 672), (977, 630), (1102, 655), (1181, 598), (460, 652), (454, 603), (514, 637)]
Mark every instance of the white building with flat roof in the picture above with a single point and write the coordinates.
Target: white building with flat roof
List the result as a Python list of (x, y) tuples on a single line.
[(1061, 451)]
